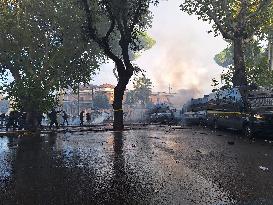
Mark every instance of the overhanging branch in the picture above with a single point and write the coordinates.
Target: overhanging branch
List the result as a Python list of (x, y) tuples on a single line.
[(221, 28), (103, 42)]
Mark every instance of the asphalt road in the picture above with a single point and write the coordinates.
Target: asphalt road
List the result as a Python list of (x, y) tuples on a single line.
[(153, 165)]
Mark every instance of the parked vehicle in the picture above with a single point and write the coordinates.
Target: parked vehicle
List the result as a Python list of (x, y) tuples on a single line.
[(258, 117), (162, 117), (225, 110), (195, 118), (161, 113)]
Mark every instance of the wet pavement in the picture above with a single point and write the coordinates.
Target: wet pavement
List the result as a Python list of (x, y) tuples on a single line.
[(153, 165)]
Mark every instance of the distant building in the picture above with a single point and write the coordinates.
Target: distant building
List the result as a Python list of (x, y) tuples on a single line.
[(161, 97), (108, 90), (72, 101)]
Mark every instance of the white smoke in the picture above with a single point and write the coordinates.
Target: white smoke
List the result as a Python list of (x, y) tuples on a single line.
[(183, 96)]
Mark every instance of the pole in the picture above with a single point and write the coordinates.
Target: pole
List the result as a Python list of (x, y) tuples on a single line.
[(170, 89), (92, 93), (78, 98)]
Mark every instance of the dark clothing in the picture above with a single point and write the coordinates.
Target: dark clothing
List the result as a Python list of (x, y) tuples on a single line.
[(22, 121), (65, 118), (12, 120), (81, 118), (88, 117), (3, 119), (53, 119)]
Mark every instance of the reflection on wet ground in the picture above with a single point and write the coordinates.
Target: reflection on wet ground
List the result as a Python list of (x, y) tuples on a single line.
[(134, 167)]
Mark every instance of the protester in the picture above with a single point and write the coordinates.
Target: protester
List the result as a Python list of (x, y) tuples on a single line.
[(11, 120), (65, 118), (53, 118), (22, 121), (81, 118), (3, 119), (88, 118)]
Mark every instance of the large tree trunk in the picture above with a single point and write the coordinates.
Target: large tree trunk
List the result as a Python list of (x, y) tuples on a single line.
[(240, 75), (123, 80), (270, 50), (31, 123), (117, 104)]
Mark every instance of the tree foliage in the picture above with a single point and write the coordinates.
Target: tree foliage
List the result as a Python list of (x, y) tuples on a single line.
[(43, 50), (101, 101), (236, 20), (233, 18), (225, 57), (256, 57), (143, 89), (141, 92), (116, 26)]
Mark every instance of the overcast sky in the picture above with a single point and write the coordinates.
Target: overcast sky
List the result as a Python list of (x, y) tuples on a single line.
[(183, 54)]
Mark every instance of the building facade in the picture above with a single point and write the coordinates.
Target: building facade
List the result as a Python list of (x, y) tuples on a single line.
[(82, 100)]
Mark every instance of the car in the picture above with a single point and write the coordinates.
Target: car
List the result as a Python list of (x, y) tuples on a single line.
[(195, 118), (249, 123), (161, 117), (258, 118)]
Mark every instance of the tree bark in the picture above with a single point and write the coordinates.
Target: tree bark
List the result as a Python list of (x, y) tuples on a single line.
[(270, 50), (118, 99), (31, 123), (117, 105), (240, 76)]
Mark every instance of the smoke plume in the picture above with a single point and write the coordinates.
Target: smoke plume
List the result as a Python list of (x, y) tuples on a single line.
[(183, 54), (184, 95)]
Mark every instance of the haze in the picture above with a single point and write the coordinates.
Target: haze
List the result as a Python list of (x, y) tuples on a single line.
[(183, 54)]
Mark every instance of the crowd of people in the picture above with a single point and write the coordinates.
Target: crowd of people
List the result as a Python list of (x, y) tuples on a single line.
[(15, 120), (18, 120)]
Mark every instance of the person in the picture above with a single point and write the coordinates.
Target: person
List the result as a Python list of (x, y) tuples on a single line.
[(81, 118), (53, 118), (88, 118), (12, 120), (22, 121), (16, 119), (65, 118), (2, 118), (9, 120)]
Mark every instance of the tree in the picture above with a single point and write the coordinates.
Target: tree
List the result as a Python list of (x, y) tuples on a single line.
[(141, 92), (143, 89), (42, 49), (145, 42), (130, 97), (101, 101), (237, 21), (119, 23), (256, 58)]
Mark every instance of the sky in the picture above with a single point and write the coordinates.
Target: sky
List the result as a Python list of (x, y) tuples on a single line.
[(182, 56)]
